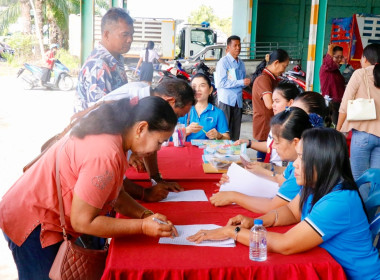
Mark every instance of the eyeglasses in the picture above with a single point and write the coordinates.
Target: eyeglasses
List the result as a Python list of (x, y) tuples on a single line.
[(338, 56)]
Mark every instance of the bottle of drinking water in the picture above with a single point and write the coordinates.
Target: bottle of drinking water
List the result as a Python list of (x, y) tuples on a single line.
[(258, 242)]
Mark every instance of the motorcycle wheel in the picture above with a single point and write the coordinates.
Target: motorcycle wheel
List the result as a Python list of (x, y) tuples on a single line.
[(66, 83), (27, 82), (247, 107)]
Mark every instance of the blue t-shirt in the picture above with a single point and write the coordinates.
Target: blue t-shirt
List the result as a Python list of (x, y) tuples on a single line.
[(211, 117), (289, 189), (339, 219)]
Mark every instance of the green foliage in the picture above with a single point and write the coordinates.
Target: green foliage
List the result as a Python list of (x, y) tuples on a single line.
[(9, 16), (22, 44), (71, 61), (206, 13)]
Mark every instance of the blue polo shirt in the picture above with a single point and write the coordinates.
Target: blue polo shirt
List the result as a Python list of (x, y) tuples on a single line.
[(339, 219), (289, 189), (211, 117), (230, 74)]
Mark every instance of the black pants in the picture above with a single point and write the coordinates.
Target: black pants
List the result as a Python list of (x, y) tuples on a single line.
[(233, 115), (46, 73), (335, 111)]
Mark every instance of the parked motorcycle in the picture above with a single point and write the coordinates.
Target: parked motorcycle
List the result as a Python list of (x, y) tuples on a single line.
[(62, 79), (296, 76), (5, 50)]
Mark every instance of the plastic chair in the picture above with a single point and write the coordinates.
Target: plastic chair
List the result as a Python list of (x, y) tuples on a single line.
[(372, 203), (375, 228), (371, 176)]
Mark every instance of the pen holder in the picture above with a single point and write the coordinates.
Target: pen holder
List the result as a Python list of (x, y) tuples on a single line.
[(179, 135)]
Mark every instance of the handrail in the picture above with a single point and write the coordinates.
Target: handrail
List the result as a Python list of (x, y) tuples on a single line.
[(259, 49)]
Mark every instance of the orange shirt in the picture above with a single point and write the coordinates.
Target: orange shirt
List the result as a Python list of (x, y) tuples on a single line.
[(92, 168), (264, 84)]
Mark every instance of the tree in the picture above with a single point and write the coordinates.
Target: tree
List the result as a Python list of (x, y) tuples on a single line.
[(206, 13)]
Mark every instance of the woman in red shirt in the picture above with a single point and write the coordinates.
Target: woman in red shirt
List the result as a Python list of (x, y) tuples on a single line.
[(92, 162)]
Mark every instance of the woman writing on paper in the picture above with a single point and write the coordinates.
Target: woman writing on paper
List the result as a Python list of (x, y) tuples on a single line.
[(322, 211), (287, 128), (92, 163), (365, 142), (204, 121)]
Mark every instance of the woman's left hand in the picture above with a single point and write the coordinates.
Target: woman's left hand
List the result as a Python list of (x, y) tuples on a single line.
[(222, 233), (256, 168), (213, 134), (221, 198)]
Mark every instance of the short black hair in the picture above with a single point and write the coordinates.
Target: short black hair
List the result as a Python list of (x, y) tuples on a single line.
[(113, 15), (337, 48), (233, 37), (181, 91)]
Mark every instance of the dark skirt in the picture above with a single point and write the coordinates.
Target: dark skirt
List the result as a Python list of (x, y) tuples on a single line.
[(146, 73)]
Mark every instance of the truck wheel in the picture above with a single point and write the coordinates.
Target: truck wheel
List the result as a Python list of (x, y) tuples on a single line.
[(65, 83)]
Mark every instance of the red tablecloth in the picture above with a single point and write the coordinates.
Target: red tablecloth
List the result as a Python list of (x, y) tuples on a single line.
[(141, 257), (178, 164)]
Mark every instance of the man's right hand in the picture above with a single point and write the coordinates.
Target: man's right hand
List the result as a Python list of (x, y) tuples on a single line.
[(137, 163), (247, 81), (155, 193)]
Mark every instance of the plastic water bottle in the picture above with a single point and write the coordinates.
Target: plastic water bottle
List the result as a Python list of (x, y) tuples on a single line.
[(258, 242)]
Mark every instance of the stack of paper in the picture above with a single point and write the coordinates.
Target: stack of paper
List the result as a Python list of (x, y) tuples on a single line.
[(188, 230), (194, 195), (243, 181)]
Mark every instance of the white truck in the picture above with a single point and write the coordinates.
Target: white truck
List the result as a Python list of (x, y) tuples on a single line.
[(162, 31)]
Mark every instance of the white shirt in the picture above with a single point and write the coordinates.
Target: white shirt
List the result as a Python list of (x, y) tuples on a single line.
[(151, 56), (130, 90)]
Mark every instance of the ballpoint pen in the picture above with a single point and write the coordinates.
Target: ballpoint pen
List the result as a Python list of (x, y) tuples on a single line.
[(159, 221), (162, 223)]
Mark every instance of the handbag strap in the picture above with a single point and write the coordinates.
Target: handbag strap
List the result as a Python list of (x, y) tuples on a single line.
[(59, 192), (366, 83)]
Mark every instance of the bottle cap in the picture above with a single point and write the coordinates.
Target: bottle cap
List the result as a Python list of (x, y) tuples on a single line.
[(258, 222)]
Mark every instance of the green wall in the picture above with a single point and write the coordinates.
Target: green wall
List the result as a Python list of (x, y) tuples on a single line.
[(288, 20)]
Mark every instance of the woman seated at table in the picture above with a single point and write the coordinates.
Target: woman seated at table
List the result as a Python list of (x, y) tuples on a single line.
[(92, 162), (287, 128), (283, 96), (328, 211), (204, 121)]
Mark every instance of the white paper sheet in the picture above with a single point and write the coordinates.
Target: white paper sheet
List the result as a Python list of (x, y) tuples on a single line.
[(188, 230), (193, 195), (245, 182)]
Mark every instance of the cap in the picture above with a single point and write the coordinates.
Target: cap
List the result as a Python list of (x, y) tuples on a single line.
[(52, 46), (258, 222)]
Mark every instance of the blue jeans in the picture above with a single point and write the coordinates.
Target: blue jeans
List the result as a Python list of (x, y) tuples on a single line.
[(365, 153), (33, 261)]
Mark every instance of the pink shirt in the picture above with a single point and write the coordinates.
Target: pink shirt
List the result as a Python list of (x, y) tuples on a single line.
[(357, 87), (92, 167)]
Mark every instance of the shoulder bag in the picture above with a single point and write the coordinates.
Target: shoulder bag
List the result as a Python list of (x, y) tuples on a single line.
[(361, 109), (73, 262)]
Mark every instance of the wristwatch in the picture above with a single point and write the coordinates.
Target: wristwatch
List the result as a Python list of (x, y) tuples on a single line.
[(156, 178), (237, 229), (249, 143)]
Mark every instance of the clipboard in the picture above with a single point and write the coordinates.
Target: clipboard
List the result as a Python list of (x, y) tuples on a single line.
[(209, 168)]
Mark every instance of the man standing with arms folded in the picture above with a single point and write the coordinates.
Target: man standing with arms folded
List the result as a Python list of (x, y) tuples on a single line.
[(104, 69), (230, 80)]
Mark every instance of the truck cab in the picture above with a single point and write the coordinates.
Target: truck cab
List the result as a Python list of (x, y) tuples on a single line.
[(194, 38)]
